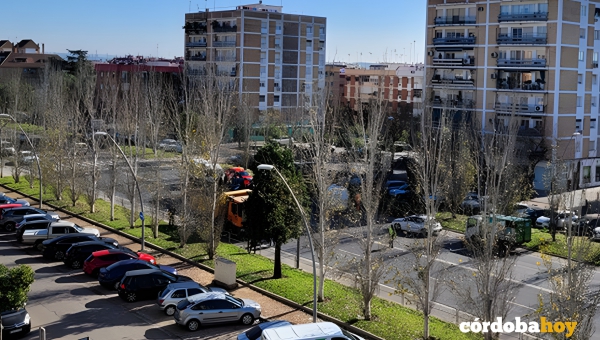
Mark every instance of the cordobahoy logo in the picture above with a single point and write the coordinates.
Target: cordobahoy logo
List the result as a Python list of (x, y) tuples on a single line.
[(518, 326)]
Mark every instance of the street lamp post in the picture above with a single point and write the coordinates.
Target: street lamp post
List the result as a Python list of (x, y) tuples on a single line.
[(269, 167), (37, 159), (137, 184)]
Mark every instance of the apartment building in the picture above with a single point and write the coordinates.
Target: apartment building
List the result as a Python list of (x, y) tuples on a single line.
[(277, 58), (537, 59), (26, 55)]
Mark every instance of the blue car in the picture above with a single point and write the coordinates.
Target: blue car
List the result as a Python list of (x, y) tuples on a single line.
[(256, 331), (110, 276)]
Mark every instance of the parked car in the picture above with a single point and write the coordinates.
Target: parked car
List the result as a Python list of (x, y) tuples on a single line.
[(213, 308), (10, 217), (173, 293), (7, 148), (104, 258), (111, 276), (78, 252), (471, 204), (309, 331), (15, 323), (55, 249), (256, 331), (533, 213), (9, 200), (170, 145), (238, 178), (561, 218), (146, 283), (398, 189), (32, 222), (56, 229), (415, 224), (28, 157)]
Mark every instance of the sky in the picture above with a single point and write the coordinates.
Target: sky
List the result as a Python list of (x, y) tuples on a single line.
[(357, 31)]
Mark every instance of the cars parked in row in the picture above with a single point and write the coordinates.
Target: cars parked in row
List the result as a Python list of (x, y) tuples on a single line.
[(8, 200), (561, 219), (79, 252), (32, 222), (56, 229), (10, 217)]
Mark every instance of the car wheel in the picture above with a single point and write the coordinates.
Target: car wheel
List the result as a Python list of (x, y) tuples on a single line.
[(76, 264), (170, 310), (10, 226), (130, 297), (247, 319), (193, 325), (59, 255)]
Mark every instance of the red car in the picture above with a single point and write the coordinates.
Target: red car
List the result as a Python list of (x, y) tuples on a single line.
[(237, 172), (104, 258)]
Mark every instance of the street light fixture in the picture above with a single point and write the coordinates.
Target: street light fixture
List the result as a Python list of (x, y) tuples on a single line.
[(137, 184), (37, 159), (268, 167)]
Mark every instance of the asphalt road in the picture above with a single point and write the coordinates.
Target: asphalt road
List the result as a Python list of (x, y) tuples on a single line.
[(454, 263)]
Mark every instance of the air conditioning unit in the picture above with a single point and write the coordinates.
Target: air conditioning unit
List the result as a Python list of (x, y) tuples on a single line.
[(493, 75), (494, 54), (538, 108), (480, 9), (430, 53)]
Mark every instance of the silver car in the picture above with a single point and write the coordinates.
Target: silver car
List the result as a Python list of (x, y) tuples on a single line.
[(213, 308), (177, 291)]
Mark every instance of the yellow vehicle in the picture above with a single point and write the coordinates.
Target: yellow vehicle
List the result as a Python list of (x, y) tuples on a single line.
[(235, 201)]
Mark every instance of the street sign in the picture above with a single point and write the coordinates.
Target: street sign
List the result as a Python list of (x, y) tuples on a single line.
[(141, 216)]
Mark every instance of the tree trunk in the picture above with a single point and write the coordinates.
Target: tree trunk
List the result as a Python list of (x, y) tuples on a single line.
[(277, 263)]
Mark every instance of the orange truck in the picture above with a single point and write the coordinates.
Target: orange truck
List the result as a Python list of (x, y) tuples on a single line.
[(235, 201)]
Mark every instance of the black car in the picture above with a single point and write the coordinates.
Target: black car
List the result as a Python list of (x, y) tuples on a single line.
[(56, 248), (78, 252), (146, 284), (111, 276), (533, 213), (32, 222), (15, 323)]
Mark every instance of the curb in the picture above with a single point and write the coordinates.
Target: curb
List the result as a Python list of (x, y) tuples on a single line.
[(281, 299)]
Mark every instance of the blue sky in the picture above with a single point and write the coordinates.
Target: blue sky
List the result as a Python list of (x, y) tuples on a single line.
[(382, 30)]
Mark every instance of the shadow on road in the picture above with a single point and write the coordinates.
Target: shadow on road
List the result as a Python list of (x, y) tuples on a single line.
[(30, 260), (78, 278)]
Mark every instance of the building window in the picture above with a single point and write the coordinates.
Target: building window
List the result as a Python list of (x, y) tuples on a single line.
[(583, 10), (262, 84), (592, 123), (276, 99), (582, 33), (579, 78), (594, 101), (579, 101), (580, 55), (594, 79), (597, 173), (538, 125), (578, 125), (261, 98), (587, 174), (596, 35)]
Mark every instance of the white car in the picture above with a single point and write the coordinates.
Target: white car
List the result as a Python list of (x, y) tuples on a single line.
[(415, 224), (562, 218), (170, 145)]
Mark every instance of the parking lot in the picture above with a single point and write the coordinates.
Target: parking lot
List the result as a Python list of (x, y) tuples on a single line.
[(72, 305)]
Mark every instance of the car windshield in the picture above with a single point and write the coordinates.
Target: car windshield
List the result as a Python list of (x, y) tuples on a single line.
[(79, 229), (254, 332), (164, 293), (183, 304), (243, 173), (169, 276), (349, 335)]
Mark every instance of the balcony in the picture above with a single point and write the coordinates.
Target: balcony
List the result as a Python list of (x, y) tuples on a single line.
[(525, 38), (224, 58), (223, 43), (519, 108), (224, 28), (197, 58), (453, 103), (470, 61), (277, 88), (539, 16), (454, 41), (321, 36), (503, 84), (196, 44), (452, 82), (455, 20), (522, 62), (195, 28)]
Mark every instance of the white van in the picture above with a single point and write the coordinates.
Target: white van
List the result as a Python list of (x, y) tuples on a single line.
[(310, 331)]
